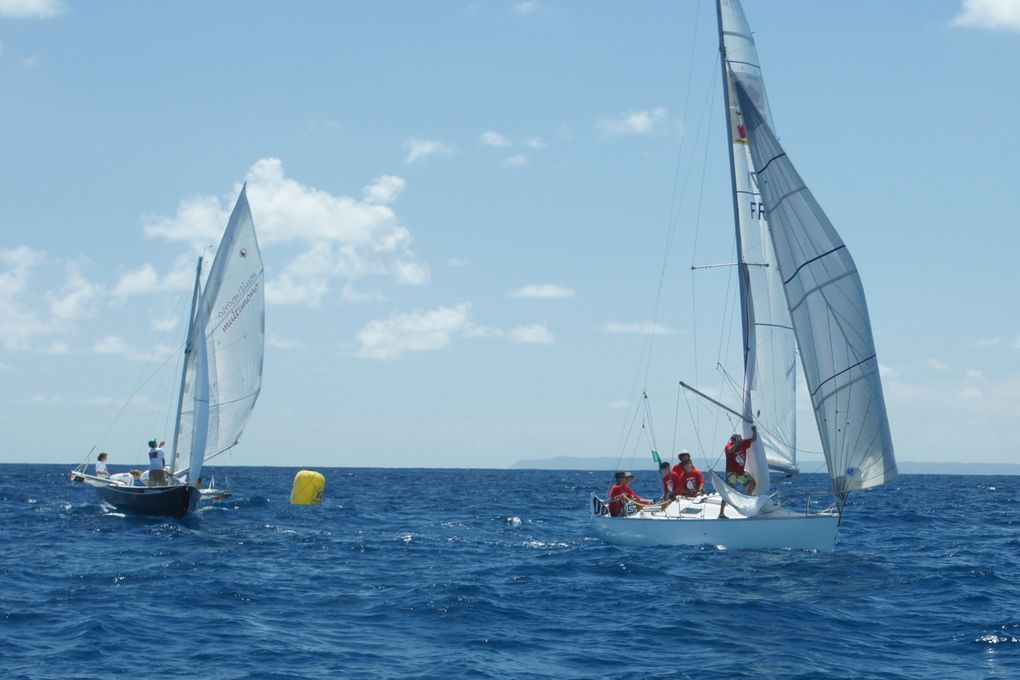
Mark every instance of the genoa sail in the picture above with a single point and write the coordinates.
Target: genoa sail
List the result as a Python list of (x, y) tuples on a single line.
[(829, 312)]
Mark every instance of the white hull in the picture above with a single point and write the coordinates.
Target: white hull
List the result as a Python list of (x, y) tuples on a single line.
[(696, 522)]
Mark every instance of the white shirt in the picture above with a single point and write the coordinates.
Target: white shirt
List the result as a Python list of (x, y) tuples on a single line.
[(101, 470), (156, 461)]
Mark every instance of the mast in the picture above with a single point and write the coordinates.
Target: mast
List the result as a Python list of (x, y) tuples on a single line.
[(184, 369)]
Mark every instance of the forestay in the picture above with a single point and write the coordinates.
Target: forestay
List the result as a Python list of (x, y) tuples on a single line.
[(829, 314)]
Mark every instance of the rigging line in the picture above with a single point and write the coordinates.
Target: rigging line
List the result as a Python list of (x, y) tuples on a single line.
[(651, 426)]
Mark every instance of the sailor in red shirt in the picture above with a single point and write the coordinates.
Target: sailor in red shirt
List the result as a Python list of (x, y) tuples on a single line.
[(679, 467), (693, 481), (621, 493), (672, 483), (736, 457)]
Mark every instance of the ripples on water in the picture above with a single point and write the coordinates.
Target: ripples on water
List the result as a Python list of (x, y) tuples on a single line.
[(495, 574)]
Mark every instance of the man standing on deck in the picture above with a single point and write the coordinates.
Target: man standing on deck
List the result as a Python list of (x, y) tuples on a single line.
[(157, 461), (736, 458)]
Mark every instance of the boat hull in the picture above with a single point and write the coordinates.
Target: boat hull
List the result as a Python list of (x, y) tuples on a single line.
[(170, 501), (777, 529)]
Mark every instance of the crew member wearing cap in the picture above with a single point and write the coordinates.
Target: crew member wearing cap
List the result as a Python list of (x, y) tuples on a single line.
[(157, 461), (736, 458), (621, 492), (679, 467)]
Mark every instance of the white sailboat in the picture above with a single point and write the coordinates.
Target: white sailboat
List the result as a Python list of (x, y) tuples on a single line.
[(799, 289), (221, 377)]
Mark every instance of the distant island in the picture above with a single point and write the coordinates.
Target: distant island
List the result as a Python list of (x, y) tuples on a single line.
[(905, 467)]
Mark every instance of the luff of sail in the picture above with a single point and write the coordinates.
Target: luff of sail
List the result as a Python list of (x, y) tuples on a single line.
[(774, 384), (830, 318), (234, 306)]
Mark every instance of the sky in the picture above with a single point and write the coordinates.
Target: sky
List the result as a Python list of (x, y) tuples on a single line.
[(478, 219)]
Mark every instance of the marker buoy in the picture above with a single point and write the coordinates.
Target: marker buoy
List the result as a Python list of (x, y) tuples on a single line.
[(307, 490)]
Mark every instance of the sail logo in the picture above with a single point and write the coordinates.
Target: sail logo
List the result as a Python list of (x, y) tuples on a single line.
[(239, 301), (243, 253)]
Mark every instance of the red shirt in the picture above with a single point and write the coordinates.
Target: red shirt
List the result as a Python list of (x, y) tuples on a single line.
[(617, 494), (679, 469), (736, 454), (692, 482), (672, 484)]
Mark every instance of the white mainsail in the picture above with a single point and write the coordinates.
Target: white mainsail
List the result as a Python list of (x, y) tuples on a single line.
[(773, 384), (829, 313), (232, 308)]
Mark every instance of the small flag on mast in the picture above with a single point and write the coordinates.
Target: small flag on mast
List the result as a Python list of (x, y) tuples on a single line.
[(655, 457)]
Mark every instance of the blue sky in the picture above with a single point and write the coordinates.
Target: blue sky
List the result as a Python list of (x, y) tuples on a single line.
[(464, 209)]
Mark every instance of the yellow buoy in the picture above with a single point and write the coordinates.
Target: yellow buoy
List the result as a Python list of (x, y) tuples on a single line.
[(308, 486)]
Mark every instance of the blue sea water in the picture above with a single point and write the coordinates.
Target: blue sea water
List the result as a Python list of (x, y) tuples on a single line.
[(496, 574)]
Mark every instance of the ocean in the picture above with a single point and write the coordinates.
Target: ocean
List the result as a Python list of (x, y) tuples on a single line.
[(429, 573)]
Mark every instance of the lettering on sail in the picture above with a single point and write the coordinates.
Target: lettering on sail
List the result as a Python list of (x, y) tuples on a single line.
[(238, 302), (757, 206)]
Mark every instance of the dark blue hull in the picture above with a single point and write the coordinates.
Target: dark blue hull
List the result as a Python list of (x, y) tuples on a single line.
[(172, 501)]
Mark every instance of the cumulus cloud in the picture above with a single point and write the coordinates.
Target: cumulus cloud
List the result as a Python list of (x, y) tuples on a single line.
[(937, 365), (434, 329), (31, 9), (970, 393), (534, 334), (526, 8), (491, 138), (989, 14), (535, 143), (646, 328), (634, 123), (543, 290), (283, 343), (987, 342), (420, 149), (31, 321), (413, 331), (114, 345), (516, 161), (338, 237)]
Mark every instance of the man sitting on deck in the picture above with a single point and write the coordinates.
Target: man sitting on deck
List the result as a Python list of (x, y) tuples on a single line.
[(621, 495)]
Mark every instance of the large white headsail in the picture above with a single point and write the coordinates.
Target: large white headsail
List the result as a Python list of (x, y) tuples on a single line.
[(829, 313), (235, 336), (773, 388)]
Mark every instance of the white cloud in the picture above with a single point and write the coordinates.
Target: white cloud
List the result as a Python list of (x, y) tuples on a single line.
[(456, 262), (976, 375), (435, 329), (341, 237), (114, 345), (618, 404), (27, 317), (29, 62), (384, 190), (164, 325), (283, 343), (349, 294), (543, 290), (990, 14), (937, 365), (490, 138), (419, 149), (970, 393), (987, 342), (145, 279), (77, 298), (111, 344), (46, 399), (1016, 342), (646, 328), (526, 8), (634, 123), (31, 9), (413, 332), (516, 161), (535, 143), (535, 334), (886, 372)]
